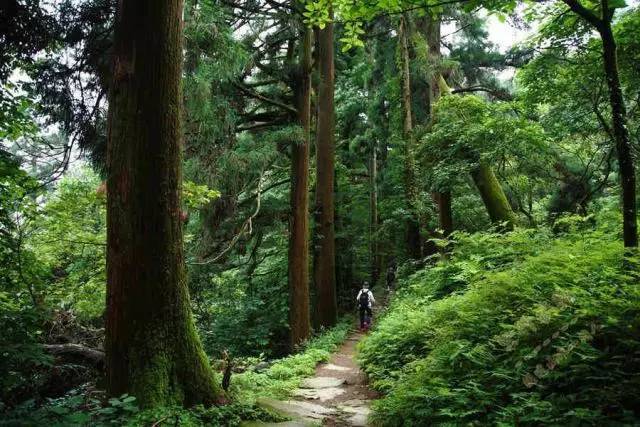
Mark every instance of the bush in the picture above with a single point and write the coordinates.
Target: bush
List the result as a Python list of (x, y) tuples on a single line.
[(77, 409), (85, 406), (492, 337)]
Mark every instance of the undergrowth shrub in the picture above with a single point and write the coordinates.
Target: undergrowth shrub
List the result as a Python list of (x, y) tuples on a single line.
[(79, 410), (81, 407), (532, 331)]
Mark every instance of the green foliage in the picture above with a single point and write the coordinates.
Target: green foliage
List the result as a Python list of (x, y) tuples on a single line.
[(355, 14), (80, 408), (76, 410), (20, 276), (245, 315), (21, 354), (196, 196), (518, 327), (284, 376), (69, 240), (16, 116), (468, 130)]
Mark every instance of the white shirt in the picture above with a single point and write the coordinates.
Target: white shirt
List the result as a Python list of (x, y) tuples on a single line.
[(371, 298)]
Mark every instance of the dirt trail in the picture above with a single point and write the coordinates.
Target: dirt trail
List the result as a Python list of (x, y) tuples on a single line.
[(353, 403), (337, 395)]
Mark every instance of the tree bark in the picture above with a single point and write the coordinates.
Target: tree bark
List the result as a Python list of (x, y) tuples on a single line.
[(621, 134), (618, 113), (153, 351), (429, 26), (324, 268), (414, 244), (431, 31), (373, 211), (299, 312), (493, 196), (445, 216)]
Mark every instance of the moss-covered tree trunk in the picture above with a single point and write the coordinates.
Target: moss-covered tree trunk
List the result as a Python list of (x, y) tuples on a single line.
[(299, 310), (324, 267), (152, 348), (495, 201), (430, 28), (414, 243)]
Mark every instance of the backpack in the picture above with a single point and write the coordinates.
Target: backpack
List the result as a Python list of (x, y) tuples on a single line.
[(364, 299)]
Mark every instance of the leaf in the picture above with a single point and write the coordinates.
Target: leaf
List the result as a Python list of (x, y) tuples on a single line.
[(59, 410), (617, 4)]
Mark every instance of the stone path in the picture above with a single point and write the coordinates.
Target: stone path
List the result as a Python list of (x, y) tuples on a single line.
[(336, 396)]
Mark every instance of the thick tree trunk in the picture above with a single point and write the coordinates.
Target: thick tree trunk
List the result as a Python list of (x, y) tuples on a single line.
[(621, 134), (493, 196), (299, 312), (152, 348), (430, 90), (429, 26), (324, 268), (431, 31), (411, 193)]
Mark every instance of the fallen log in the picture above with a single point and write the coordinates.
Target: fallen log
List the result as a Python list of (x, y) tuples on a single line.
[(77, 352)]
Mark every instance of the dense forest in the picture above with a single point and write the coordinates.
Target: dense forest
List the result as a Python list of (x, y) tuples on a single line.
[(193, 195)]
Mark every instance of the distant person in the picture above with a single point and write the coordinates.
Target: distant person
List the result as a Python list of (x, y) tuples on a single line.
[(365, 301), (391, 277)]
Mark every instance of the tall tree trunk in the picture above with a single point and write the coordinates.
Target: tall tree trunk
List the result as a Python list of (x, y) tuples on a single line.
[(341, 246), (152, 348), (299, 312), (191, 61), (621, 134), (373, 211), (324, 269), (493, 196), (430, 28), (445, 215), (411, 193), (618, 114)]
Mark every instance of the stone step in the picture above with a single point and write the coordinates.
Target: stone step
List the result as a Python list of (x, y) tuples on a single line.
[(322, 382), (321, 394), (297, 410)]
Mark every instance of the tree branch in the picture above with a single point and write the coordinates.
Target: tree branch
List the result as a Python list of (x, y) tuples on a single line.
[(497, 93), (247, 223), (263, 98), (584, 13)]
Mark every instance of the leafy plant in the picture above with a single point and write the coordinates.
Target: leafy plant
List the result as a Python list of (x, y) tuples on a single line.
[(544, 334)]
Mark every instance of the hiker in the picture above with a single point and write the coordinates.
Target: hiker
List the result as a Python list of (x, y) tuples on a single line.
[(365, 301), (391, 277)]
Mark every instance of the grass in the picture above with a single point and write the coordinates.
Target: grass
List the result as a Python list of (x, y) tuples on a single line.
[(284, 376)]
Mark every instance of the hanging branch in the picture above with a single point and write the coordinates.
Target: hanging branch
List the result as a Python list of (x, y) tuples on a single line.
[(247, 224), (263, 98)]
